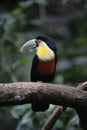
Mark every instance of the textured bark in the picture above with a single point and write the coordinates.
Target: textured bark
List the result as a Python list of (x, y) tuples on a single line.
[(28, 92), (60, 109)]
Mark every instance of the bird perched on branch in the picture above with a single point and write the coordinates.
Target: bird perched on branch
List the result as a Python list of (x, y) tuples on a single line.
[(43, 64)]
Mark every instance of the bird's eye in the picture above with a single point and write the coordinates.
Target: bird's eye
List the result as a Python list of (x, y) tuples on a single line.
[(38, 42)]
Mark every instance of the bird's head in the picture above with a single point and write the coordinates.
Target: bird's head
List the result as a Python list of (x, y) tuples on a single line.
[(45, 47)]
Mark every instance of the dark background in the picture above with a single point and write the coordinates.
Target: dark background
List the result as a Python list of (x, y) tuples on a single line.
[(63, 20)]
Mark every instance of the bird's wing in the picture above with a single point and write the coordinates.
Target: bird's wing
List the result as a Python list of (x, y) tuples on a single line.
[(33, 68), (55, 59), (55, 64)]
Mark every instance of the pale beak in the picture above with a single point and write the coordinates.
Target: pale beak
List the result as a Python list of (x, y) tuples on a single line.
[(30, 44)]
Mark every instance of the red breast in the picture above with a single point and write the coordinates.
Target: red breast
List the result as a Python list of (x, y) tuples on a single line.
[(46, 67)]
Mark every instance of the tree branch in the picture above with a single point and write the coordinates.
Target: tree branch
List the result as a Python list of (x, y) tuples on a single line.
[(28, 92), (53, 118), (59, 110)]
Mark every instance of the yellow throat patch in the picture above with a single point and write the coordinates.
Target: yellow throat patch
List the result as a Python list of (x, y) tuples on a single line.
[(44, 52)]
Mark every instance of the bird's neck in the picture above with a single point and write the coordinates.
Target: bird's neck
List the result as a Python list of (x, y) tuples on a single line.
[(44, 52)]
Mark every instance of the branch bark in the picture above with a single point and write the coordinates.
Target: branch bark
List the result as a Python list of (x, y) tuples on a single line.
[(28, 92), (53, 118), (49, 124)]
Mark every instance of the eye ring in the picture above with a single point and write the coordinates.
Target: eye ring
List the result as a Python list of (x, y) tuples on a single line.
[(39, 41)]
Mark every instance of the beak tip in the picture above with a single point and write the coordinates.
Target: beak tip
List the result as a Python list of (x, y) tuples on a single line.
[(21, 50), (30, 43)]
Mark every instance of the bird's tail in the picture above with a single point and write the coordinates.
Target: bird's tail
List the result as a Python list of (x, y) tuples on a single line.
[(39, 107)]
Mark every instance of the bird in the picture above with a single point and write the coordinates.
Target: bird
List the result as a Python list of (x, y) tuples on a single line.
[(43, 64)]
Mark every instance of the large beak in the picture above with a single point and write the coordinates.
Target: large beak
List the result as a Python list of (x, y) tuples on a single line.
[(30, 44)]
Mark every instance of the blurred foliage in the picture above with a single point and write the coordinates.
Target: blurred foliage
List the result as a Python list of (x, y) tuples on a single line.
[(23, 20)]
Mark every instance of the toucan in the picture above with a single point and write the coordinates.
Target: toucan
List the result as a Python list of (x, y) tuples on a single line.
[(43, 64)]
